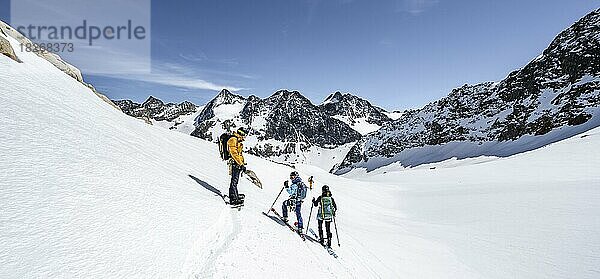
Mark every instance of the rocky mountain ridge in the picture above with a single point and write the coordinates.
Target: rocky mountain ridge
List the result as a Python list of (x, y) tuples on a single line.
[(283, 124), (155, 109), (554, 96), (359, 113)]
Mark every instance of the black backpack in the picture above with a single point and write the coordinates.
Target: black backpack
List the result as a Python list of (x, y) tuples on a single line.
[(223, 149)]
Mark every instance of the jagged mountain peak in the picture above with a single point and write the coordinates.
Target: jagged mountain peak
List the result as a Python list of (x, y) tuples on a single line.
[(284, 94), (253, 98), (334, 97), (585, 30), (348, 100), (339, 96), (226, 97), (187, 103), (284, 125), (152, 103), (554, 96), (357, 112), (152, 99)]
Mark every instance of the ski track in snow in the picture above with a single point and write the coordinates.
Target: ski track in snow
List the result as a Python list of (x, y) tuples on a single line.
[(207, 249), (224, 240)]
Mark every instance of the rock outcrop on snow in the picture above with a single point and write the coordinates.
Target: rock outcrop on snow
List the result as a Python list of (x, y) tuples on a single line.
[(6, 49), (54, 59), (554, 96)]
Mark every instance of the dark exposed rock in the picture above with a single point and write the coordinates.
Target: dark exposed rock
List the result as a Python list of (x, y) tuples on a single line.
[(7, 50), (352, 108), (155, 109), (286, 117), (559, 88)]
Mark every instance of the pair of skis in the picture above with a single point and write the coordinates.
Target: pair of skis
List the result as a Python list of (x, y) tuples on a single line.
[(304, 236), (294, 229), (329, 250)]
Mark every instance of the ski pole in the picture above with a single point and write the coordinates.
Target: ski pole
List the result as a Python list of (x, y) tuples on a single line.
[(309, 215), (336, 232), (269, 210)]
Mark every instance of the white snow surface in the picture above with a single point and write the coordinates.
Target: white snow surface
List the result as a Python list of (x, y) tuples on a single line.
[(89, 192), (531, 215), (183, 124), (394, 114), (359, 124)]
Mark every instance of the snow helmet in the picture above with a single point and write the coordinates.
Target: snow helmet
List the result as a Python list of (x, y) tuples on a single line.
[(293, 174), (242, 132), (325, 188)]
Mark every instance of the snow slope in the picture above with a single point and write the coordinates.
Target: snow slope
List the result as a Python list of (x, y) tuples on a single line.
[(359, 124), (183, 124), (88, 191)]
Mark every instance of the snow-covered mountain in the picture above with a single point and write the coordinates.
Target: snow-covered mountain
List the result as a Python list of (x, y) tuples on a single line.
[(285, 127), (179, 117), (555, 96), (355, 111)]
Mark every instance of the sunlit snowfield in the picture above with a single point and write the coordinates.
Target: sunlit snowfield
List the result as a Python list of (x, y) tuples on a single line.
[(90, 192)]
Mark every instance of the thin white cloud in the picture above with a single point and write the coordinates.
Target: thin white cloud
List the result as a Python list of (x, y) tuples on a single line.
[(386, 43), (176, 75), (180, 81), (199, 57), (177, 80), (415, 7)]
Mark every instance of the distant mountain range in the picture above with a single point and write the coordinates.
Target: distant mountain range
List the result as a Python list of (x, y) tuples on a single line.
[(553, 97), (284, 126), (154, 111)]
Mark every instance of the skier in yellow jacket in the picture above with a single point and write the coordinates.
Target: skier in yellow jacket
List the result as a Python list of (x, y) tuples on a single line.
[(236, 164)]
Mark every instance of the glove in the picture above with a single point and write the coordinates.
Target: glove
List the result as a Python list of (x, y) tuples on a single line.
[(285, 183)]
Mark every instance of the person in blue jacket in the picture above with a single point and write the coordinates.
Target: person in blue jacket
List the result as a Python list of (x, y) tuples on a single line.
[(297, 193)]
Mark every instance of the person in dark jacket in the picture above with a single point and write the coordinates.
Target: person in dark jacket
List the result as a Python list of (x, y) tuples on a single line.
[(325, 213)]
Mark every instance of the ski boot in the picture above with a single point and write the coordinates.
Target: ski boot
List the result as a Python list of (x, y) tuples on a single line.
[(238, 201)]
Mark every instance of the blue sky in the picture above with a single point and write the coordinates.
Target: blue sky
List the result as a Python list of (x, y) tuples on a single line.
[(396, 53)]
